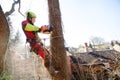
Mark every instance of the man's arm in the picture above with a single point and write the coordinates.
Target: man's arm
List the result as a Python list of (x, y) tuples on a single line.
[(30, 27)]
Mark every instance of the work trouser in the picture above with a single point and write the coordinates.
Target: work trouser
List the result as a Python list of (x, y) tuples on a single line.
[(40, 50)]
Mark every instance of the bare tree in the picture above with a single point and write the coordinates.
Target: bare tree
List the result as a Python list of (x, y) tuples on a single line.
[(96, 40), (57, 42)]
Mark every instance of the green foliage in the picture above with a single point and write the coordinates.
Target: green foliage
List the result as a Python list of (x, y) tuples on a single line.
[(5, 76)]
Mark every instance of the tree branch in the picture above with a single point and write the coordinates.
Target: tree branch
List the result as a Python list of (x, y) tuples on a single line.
[(19, 8), (0, 8), (12, 9)]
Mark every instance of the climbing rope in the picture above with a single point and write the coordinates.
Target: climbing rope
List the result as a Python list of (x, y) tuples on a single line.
[(27, 50)]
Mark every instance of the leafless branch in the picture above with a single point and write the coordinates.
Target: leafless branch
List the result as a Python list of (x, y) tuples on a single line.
[(19, 8), (0, 8), (12, 9)]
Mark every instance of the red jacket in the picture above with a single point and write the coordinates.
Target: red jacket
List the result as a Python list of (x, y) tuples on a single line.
[(29, 29)]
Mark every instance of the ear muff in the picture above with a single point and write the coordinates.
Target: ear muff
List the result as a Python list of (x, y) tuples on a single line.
[(28, 16)]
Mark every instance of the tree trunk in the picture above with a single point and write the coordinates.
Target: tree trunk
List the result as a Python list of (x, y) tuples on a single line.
[(4, 37), (57, 42)]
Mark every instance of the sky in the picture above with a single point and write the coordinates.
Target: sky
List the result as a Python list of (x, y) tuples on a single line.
[(81, 19)]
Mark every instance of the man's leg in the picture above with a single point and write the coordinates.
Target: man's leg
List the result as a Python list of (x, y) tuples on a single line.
[(43, 52)]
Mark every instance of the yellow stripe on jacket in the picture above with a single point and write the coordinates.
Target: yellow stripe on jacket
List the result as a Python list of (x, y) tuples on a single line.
[(30, 27)]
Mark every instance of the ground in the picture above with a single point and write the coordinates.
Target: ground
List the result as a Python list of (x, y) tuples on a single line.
[(23, 65)]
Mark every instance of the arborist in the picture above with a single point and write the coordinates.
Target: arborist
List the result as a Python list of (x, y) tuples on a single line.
[(32, 38)]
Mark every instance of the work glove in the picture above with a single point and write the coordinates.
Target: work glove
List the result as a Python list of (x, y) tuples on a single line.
[(46, 28)]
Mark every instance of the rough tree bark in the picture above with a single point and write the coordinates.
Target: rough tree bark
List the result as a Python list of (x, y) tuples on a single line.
[(57, 42), (4, 32), (4, 38)]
